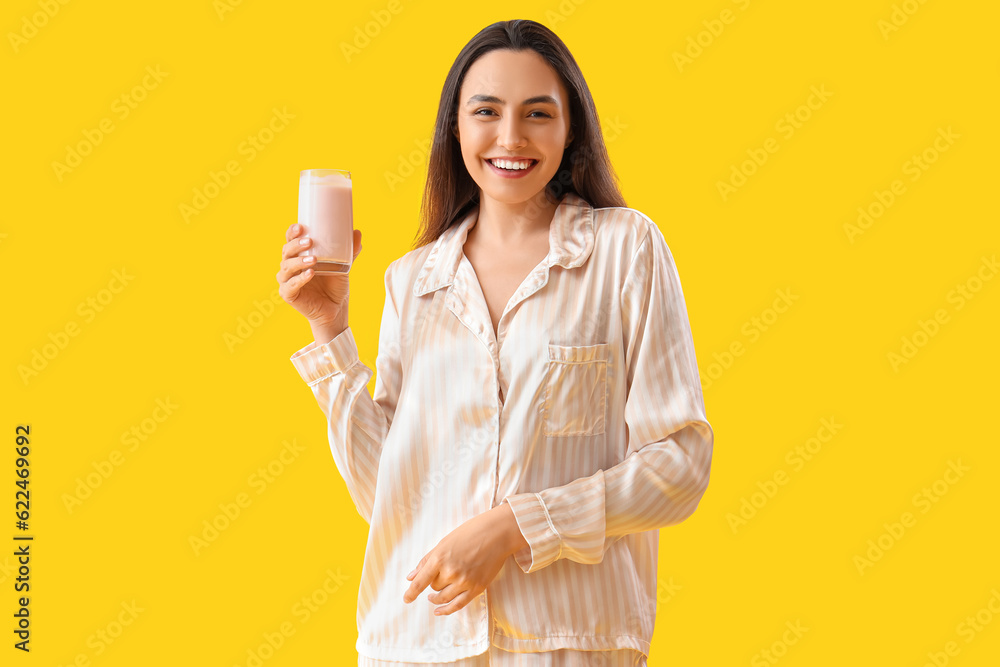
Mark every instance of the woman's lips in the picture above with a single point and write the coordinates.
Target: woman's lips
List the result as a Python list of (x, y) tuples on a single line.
[(511, 173)]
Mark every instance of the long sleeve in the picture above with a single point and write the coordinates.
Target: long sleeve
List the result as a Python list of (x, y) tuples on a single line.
[(357, 422), (666, 470)]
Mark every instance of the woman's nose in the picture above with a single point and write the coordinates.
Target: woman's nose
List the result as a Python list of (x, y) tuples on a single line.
[(509, 134)]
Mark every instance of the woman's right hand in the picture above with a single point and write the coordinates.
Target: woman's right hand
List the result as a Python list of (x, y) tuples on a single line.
[(320, 298)]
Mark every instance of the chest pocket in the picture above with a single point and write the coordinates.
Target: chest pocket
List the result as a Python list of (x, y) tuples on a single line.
[(576, 387)]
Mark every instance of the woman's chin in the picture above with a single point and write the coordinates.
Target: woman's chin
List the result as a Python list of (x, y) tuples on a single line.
[(513, 193)]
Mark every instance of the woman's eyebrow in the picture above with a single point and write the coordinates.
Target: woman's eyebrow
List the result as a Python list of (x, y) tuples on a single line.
[(496, 100)]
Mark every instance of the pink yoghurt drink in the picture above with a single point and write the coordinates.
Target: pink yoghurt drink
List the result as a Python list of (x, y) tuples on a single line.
[(325, 211)]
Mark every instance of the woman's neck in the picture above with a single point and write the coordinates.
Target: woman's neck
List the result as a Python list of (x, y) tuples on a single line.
[(502, 224)]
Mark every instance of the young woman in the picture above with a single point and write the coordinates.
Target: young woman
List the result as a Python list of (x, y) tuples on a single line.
[(537, 413)]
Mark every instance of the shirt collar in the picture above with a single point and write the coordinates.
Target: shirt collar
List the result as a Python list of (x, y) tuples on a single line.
[(571, 239)]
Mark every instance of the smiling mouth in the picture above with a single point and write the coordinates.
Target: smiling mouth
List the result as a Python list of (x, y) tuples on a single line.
[(515, 171)]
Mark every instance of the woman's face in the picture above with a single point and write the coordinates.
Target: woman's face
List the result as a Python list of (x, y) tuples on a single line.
[(512, 104)]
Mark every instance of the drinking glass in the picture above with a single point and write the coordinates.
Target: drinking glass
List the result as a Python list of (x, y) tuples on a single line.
[(326, 213)]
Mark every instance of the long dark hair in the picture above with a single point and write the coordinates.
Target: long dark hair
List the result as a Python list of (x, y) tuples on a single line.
[(585, 168)]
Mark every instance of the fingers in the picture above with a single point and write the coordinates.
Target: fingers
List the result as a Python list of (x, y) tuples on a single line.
[(460, 601), (290, 287), (445, 594), (417, 568), (293, 231), (422, 578), (412, 592), (294, 269), (297, 242)]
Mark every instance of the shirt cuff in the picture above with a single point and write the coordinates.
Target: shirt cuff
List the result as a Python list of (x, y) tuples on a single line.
[(314, 362), (544, 544)]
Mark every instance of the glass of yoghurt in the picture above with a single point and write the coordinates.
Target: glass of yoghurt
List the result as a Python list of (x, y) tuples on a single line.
[(326, 213)]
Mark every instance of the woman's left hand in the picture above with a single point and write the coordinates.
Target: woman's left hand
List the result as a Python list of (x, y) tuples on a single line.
[(464, 563)]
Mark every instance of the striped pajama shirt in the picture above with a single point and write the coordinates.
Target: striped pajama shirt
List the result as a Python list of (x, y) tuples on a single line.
[(583, 412)]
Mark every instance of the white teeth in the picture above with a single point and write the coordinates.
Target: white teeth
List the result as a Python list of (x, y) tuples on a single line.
[(507, 164)]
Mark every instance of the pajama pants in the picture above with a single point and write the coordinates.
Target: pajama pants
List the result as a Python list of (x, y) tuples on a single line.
[(496, 657)]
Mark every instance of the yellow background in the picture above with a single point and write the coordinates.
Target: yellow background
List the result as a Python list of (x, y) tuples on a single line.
[(673, 132)]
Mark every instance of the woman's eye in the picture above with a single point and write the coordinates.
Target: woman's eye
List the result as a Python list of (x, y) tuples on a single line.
[(489, 112)]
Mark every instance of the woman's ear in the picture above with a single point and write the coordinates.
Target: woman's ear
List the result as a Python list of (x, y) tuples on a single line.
[(569, 138)]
